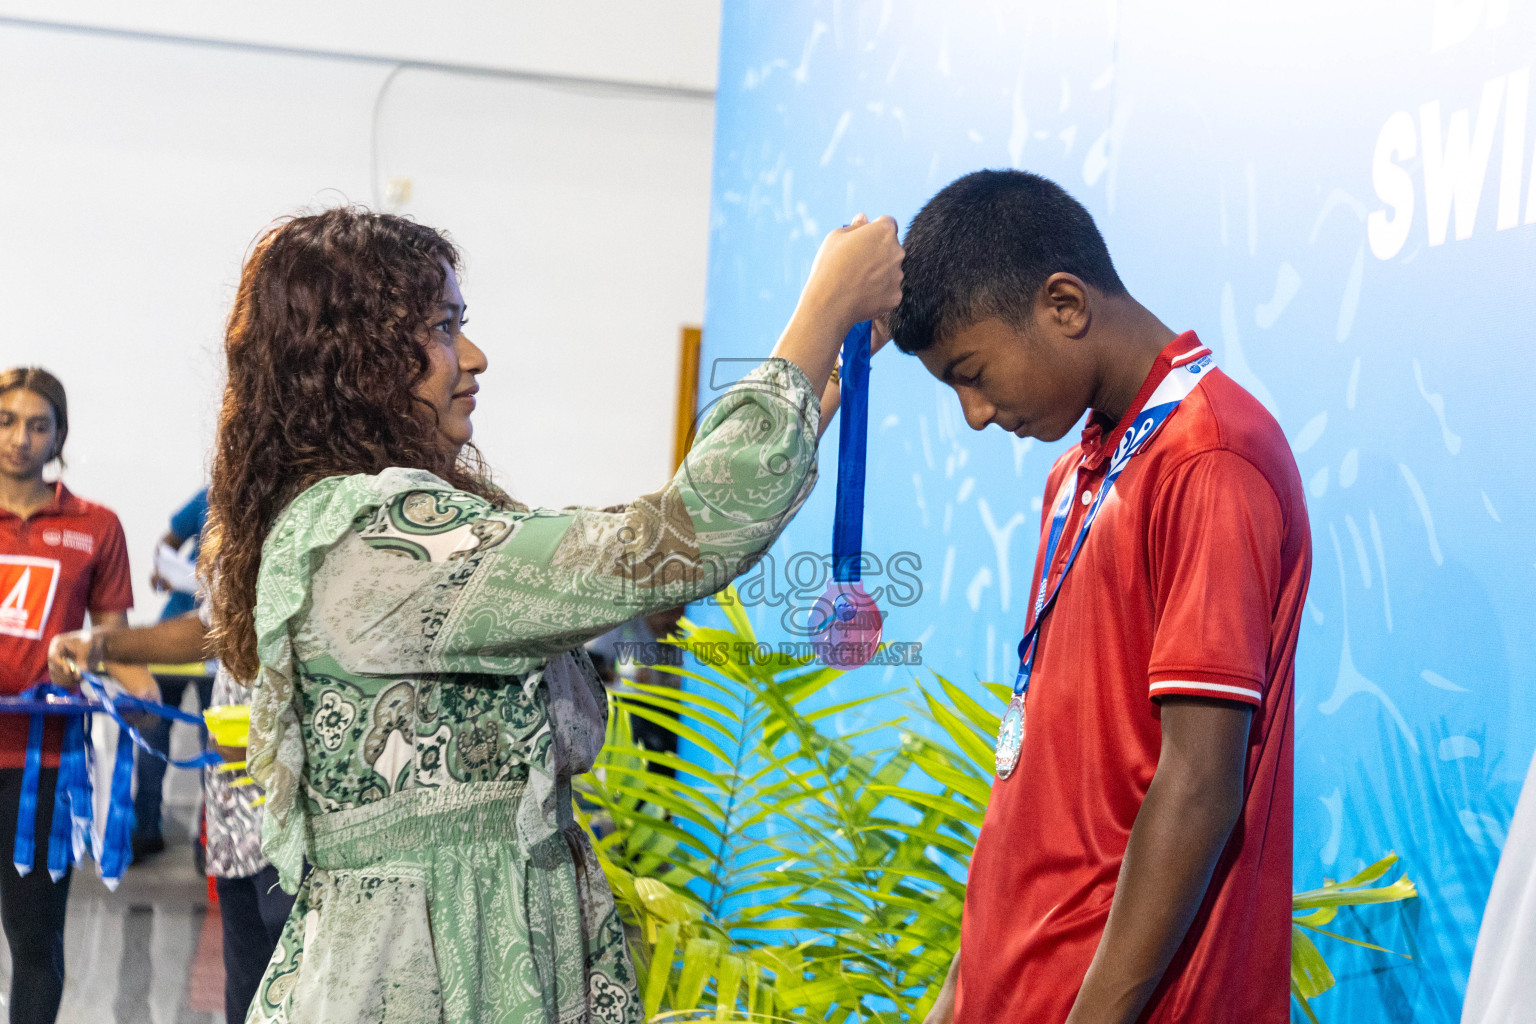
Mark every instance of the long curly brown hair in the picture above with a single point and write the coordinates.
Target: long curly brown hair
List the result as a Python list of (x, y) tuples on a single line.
[(324, 345)]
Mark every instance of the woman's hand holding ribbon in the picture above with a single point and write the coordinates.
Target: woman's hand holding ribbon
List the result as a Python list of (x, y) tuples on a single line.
[(68, 655), (856, 276), (84, 650)]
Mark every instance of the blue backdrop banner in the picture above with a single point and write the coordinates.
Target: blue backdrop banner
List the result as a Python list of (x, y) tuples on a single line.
[(1341, 200)]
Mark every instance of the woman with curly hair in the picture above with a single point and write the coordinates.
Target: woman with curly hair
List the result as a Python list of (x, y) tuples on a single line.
[(421, 698)]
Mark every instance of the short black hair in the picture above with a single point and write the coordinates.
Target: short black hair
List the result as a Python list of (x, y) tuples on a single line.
[(984, 247)]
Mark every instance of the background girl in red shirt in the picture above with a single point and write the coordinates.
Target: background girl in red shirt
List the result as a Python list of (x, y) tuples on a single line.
[(60, 557)]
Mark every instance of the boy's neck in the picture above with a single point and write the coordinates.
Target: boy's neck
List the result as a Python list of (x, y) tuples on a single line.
[(1131, 339), (22, 496)]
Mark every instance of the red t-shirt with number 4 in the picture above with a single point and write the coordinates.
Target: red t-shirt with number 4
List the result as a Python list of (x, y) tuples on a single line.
[(66, 560), (1191, 582)]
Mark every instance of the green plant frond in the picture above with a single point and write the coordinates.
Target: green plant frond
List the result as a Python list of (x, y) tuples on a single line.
[(797, 688), (777, 774), (698, 964), (1371, 873), (780, 662), (1309, 971), (676, 700), (683, 729), (700, 778), (827, 914), (934, 801), (725, 687), (692, 1013), (679, 806), (673, 713), (1003, 693), (836, 709), (730, 603), (1306, 1007), (643, 786), (689, 844), (1317, 917), (1337, 896), (838, 751), (967, 739), (983, 721), (1353, 942), (670, 905), (710, 639), (662, 954), (707, 653), (727, 985), (760, 816), (852, 874), (974, 791)]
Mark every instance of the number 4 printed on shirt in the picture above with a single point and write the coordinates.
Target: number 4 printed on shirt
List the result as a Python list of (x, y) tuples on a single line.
[(27, 587)]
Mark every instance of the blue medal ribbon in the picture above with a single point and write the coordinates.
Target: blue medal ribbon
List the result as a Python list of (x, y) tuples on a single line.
[(73, 817), (71, 770), (852, 442), (82, 818), (114, 850), (845, 619), (25, 849)]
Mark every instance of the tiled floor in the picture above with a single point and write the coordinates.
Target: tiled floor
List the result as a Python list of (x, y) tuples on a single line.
[(146, 954)]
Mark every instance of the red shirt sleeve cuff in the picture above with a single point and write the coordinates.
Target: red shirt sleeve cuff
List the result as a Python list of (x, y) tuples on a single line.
[(1195, 683)]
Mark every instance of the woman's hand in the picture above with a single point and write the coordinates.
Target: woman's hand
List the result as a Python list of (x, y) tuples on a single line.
[(857, 272), (68, 654), (856, 276)]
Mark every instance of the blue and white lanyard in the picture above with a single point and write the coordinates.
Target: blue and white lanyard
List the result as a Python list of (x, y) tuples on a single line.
[(1175, 387)]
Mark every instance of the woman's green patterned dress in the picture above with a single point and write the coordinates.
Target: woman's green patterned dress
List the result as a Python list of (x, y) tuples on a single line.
[(424, 701)]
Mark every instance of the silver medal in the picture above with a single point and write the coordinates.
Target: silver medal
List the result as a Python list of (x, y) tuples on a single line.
[(1010, 737)]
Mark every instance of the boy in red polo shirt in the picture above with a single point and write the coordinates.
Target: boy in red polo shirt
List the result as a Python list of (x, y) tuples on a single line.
[(1135, 860), (60, 557)]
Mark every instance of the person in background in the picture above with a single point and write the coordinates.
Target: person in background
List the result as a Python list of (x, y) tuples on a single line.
[(186, 531), (185, 539), (252, 908), (60, 557)]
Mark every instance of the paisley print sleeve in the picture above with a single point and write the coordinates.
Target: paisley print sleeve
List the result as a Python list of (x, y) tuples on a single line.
[(432, 579)]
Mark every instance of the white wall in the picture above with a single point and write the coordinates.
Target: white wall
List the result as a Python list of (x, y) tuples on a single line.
[(663, 42), (134, 173)]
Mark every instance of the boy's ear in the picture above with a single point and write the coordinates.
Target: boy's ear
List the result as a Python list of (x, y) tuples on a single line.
[(1065, 304)]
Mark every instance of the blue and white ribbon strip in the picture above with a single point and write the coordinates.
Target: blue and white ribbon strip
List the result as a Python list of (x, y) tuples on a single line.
[(1175, 387), (73, 830)]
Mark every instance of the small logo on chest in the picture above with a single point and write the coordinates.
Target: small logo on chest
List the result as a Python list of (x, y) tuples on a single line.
[(72, 539)]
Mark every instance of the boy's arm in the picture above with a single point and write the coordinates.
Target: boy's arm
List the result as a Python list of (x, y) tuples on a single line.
[(1190, 809)]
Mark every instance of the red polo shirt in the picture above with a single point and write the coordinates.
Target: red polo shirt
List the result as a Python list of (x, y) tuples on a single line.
[(66, 560), (1191, 582)]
